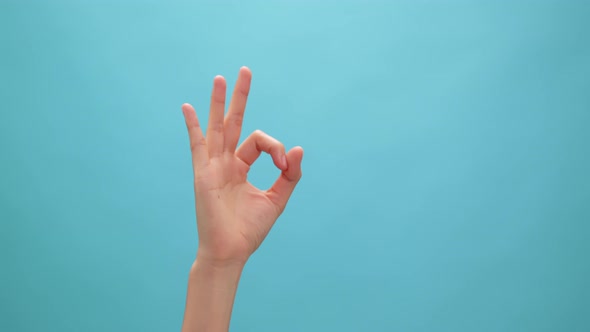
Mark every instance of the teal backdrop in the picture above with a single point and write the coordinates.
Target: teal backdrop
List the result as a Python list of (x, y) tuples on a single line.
[(446, 176)]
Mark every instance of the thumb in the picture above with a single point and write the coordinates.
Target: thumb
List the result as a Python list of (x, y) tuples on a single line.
[(281, 190)]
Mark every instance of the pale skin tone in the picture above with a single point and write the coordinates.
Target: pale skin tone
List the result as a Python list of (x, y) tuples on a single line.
[(233, 216)]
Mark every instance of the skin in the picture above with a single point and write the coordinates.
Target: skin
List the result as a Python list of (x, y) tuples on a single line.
[(233, 216)]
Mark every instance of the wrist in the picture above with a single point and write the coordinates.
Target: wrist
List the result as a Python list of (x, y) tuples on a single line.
[(215, 265), (217, 260), (218, 276)]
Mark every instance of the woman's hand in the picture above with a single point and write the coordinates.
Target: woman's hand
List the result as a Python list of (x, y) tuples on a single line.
[(233, 216)]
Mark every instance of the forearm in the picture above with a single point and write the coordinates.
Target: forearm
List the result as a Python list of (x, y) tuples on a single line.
[(210, 297)]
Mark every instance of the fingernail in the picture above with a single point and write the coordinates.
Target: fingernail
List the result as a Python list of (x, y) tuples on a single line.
[(284, 160)]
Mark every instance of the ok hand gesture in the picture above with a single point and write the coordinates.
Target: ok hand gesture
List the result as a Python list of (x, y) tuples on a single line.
[(233, 216)]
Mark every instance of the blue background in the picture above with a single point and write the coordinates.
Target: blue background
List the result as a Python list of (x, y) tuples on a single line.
[(445, 186)]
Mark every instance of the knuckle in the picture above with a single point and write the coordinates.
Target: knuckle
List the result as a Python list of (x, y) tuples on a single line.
[(216, 126), (297, 177), (258, 133), (237, 119), (198, 143), (277, 147), (244, 91), (193, 125)]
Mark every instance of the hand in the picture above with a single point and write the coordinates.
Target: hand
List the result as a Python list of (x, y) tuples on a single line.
[(233, 216)]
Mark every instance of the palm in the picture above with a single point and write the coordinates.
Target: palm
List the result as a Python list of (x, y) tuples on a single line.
[(233, 216), (244, 212)]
